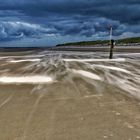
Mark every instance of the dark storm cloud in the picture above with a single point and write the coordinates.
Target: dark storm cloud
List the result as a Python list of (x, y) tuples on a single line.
[(69, 17), (17, 30), (84, 27), (116, 9)]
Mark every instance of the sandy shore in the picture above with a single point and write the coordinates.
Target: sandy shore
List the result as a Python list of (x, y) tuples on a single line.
[(83, 101)]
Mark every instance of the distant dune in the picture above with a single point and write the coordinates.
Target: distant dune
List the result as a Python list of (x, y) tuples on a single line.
[(121, 42), (121, 45)]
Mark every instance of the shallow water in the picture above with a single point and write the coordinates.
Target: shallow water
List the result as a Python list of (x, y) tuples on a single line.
[(69, 95)]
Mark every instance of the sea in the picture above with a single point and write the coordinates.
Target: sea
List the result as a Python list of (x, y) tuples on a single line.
[(68, 95)]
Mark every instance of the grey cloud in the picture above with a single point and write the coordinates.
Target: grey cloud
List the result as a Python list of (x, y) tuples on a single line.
[(88, 27), (68, 17), (19, 30), (115, 10)]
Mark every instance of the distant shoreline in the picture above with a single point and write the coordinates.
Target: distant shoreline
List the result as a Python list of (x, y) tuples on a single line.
[(128, 49), (134, 49), (122, 45)]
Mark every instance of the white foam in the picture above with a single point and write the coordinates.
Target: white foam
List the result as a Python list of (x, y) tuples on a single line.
[(86, 74), (2, 58), (95, 60), (37, 79), (24, 60), (127, 54), (113, 68)]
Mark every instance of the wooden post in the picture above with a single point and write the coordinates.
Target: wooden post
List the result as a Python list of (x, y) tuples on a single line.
[(111, 48), (112, 43)]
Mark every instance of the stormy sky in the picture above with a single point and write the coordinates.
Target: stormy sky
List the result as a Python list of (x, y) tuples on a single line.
[(49, 22)]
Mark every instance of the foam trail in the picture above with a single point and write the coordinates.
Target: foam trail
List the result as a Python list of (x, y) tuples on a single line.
[(86, 74), (6, 101), (1, 58), (95, 60), (128, 54), (25, 60), (25, 56), (113, 68), (26, 80)]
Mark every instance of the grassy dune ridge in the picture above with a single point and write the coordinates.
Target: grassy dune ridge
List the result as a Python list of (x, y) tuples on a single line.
[(103, 42)]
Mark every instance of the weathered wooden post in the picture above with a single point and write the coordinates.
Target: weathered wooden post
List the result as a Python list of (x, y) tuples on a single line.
[(112, 43)]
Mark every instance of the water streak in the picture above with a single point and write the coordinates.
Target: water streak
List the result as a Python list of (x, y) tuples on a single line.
[(25, 79)]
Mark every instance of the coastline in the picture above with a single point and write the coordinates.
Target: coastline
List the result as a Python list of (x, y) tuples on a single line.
[(94, 48), (132, 49)]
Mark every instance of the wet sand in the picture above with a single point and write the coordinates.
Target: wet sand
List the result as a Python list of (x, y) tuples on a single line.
[(73, 106), (65, 114)]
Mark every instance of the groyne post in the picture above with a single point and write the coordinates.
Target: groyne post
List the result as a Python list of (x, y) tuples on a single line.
[(112, 44)]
